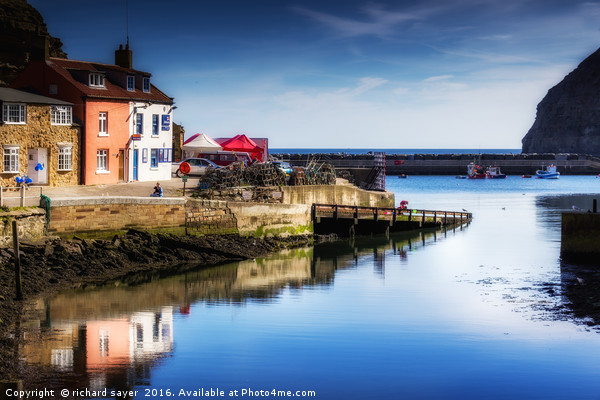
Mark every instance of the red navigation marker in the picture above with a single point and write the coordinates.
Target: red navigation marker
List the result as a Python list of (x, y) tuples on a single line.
[(185, 168)]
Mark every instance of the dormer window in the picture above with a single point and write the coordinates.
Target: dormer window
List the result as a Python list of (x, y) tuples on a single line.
[(131, 83), (146, 85), (96, 80)]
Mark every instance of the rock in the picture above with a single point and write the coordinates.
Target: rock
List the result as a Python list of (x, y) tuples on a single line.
[(568, 118), (21, 26), (48, 250)]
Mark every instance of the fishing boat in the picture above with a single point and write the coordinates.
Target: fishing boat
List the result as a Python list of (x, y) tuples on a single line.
[(525, 176), (548, 172), (495, 173), (475, 171)]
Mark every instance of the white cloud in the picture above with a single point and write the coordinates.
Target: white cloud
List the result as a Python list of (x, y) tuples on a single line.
[(438, 78), (379, 22)]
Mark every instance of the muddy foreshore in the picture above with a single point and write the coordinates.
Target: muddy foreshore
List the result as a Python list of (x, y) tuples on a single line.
[(55, 264)]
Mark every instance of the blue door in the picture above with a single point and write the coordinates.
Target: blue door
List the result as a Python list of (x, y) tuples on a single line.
[(135, 164)]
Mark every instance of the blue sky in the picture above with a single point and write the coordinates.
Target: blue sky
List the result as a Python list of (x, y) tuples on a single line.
[(348, 74)]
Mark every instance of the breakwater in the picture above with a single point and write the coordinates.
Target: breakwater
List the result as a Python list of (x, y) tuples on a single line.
[(454, 164)]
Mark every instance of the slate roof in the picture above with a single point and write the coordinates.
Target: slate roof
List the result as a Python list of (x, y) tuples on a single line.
[(111, 90), (8, 95)]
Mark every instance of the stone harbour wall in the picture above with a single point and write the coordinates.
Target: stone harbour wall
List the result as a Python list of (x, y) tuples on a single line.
[(31, 225), (336, 194), (114, 213), (580, 235), (209, 217), (200, 217)]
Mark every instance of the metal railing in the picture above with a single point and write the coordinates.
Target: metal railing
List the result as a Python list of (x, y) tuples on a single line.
[(20, 196), (336, 211)]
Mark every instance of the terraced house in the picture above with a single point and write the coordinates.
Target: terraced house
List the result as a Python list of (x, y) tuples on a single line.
[(38, 139), (126, 120)]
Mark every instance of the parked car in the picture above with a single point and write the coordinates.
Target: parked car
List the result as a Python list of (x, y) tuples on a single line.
[(199, 166), (284, 166)]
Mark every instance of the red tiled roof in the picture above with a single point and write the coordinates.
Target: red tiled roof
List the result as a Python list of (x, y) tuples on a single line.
[(111, 90)]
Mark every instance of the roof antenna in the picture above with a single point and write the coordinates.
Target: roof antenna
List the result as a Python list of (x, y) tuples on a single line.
[(127, 20)]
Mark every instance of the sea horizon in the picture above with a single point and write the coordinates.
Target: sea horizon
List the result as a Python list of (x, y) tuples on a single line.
[(291, 150)]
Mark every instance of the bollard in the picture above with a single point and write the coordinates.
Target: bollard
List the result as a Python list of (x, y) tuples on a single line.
[(18, 287)]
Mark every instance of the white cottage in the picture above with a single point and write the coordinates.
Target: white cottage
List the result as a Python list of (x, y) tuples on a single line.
[(150, 147)]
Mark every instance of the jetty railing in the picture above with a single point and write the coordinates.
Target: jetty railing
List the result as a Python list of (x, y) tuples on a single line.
[(392, 215)]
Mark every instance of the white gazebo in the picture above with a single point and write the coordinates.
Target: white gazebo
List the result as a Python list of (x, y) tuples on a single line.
[(200, 143)]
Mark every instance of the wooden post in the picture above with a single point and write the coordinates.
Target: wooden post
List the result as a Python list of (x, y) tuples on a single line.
[(423, 218), (19, 289)]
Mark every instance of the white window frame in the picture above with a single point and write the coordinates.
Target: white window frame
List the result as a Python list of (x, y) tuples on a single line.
[(102, 161), (131, 83), (61, 115), (139, 124), (65, 158), (154, 153), (96, 80), (12, 152), (146, 84), (11, 110), (103, 123), (155, 127)]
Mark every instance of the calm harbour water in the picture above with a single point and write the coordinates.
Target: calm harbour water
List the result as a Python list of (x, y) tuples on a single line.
[(457, 314)]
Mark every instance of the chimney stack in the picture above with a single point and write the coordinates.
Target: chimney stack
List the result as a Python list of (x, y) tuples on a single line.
[(123, 57), (40, 48)]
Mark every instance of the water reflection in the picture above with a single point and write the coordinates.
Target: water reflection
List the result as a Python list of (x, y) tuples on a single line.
[(112, 336)]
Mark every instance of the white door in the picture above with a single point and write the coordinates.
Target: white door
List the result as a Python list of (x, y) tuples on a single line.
[(37, 165)]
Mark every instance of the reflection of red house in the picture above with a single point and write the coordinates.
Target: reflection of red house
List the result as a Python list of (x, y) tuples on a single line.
[(242, 143), (108, 344)]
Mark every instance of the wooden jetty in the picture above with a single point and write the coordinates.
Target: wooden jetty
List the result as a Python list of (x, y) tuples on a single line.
[(355, 220)]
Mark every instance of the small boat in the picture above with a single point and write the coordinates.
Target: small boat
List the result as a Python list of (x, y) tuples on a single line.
[(402, 176), (475, 171), (525, 176), (494, 173), (461, 177), (548, 172)]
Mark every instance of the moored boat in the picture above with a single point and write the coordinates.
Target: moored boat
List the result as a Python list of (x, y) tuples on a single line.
[(548, 172), (475, 171), (495, 173)]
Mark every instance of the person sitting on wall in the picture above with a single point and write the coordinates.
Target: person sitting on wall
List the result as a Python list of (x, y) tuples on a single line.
[(158, 192)]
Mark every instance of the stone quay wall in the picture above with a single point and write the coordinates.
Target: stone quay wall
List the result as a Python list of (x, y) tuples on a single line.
[(31, 225), (337, 194), (580, 235), (114, 213), (108, 214)]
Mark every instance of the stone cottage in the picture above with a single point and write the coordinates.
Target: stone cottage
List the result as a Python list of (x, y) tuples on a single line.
[(39, 140)]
